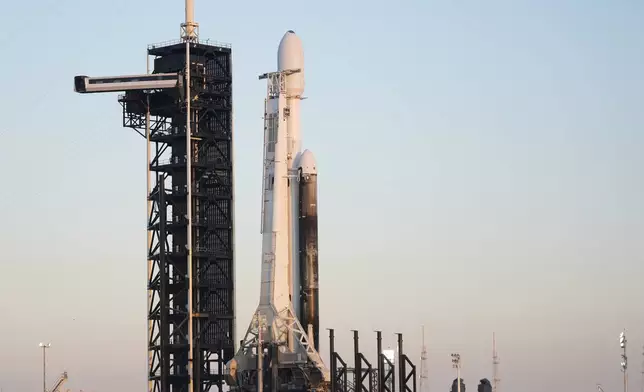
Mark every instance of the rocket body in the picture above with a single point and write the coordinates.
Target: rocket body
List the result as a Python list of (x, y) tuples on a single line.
[(308, 244), (303, 243), (281, 207), (287, 316), (290, 56)]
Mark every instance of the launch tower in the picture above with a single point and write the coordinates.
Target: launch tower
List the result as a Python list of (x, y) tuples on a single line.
[(184, 110), (206, 209)]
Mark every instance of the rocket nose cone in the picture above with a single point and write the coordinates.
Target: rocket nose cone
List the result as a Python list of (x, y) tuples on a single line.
[(290, 54), (307, 163)]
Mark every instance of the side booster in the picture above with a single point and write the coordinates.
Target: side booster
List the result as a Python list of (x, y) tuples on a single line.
[(307, 177)]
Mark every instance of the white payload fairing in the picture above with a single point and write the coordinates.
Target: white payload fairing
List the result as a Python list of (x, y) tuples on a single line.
[(286, 322)]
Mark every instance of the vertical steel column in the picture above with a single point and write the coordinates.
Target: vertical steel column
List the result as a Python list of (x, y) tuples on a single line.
[(381, 362), (401, 364), (334, 367), (357, 364), (190, 309)]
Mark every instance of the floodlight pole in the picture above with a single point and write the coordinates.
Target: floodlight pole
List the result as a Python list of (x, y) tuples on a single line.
[(44, 346), (456, 363)]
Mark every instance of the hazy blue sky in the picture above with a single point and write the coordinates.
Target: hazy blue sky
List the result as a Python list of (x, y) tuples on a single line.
[(481, 169)]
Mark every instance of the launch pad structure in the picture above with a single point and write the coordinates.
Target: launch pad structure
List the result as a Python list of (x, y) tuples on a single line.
[(206, 207), (183, 108), (363, 376)]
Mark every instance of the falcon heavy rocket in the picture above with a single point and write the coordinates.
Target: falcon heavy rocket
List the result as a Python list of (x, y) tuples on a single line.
[(280, 348)]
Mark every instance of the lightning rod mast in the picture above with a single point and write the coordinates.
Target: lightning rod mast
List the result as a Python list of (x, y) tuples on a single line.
[(495, 365), (424, 371), (642, 384), (624, 364)]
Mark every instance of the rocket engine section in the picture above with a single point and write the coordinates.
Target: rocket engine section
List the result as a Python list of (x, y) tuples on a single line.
[(308, 245)]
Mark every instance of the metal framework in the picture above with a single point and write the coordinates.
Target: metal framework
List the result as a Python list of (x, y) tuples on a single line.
[(386, 369), (362, 368), (381, 379), (339, 382), (191, 314), (406, 377)]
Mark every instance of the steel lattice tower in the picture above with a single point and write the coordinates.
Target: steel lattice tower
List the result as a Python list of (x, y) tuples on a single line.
[(171, 343), (184, 111)]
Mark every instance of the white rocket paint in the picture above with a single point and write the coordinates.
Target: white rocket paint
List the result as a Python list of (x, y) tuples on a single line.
[(280, 286)]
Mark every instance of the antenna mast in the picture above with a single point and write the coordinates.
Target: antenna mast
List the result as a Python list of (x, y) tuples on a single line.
[(495, 365), (624, 364), (642, 385), (189, 29), (424, 371)]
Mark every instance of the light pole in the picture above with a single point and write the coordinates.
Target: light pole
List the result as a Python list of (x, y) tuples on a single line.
[(456, 364), (622, 344), (44, 365)]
